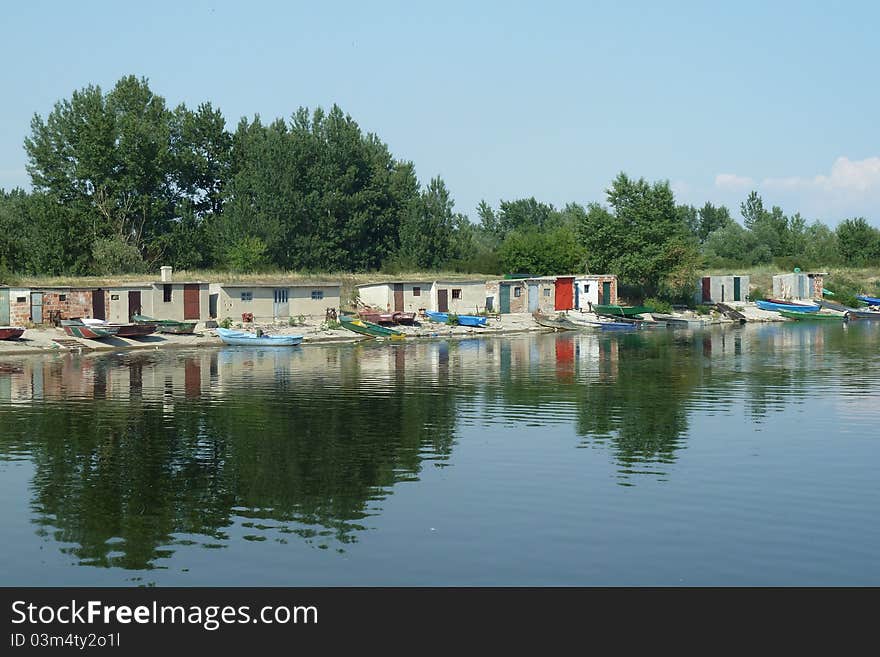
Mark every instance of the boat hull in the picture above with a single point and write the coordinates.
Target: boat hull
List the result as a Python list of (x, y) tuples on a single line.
[(368, 328), (871, 301), (859, 315), (397, 317), (621, 311), (246, 339), (166, 325), (79, 330), (776, 306), (11, 332), (463, 320), (811, 317)]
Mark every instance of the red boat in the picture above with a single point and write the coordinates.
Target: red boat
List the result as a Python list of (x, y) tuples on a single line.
[(123, 330), (376, 317), (11, 332)]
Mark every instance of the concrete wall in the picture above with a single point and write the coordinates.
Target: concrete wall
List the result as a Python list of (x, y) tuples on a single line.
[(262, 303), (589, 290), (721, 289), (174, 308), (67, 302), (381, 296), (546, 294), (798, 286), (519, 295), (378, 295), (117, 309), (472, 296)]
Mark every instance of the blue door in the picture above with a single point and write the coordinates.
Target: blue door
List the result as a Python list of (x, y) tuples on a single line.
[(533, 297), (4, 307)]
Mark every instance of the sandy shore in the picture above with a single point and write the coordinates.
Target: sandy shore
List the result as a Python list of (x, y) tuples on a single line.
[(39, 340)]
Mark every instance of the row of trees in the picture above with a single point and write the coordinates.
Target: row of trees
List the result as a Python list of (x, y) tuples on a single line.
[(122, 183)]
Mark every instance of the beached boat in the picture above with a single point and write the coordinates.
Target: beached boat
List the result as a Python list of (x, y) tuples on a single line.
[(620, 311), (462, 320), (11, 332), (608, 325), (248, 339), (777, 305), (369, 328), (166, 325), (560, 322), (811, 317), (122, 330), (871, 301), (858, 315), (76, 329), (378, 317), (678, 322)]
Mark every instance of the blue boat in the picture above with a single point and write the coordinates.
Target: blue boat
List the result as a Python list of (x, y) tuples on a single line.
[(871, 301), (463, 320), (245, 338), (792, 307)]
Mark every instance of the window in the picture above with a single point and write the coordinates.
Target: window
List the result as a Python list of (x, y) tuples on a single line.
[(166, 293), (280, 296), (247, 296), (546, 291), (417, 291), (113, 297), (20, 299), (62, 297), (456, 294), (517, 291), (317, 295)]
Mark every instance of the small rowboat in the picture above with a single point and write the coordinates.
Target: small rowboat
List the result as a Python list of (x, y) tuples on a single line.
[(396, 317), (122, 330), (811, 317), (858, 315), (248, 339), (777, 304), (368, 328), (559, 323), (166, 325), (76, 329), (11, 332), (871, 301), (621, 311), (461, 320)]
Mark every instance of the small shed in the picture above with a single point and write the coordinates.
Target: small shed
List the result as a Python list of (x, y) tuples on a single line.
[(799, 285), (44, 305), (397, 296), (274, 300), (722, 289), (524, 295), (594, 289), (460, 297)]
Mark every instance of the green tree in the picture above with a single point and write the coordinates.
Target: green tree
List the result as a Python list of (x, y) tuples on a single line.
[(858, 241), (427, 230)]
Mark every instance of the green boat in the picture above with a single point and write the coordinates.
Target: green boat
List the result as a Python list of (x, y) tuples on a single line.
[(621, 311), (166, 325), (368, 328), (811, 317)]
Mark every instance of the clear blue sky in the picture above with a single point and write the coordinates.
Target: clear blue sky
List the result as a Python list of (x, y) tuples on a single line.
[(505, 100)]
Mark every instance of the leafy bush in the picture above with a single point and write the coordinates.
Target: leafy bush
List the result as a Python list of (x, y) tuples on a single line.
[(659, 305), (700, 309), (757, 293), (452, 319), (116, 256), (247, 255), (226, 323)]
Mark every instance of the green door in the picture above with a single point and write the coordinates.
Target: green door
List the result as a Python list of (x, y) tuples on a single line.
[(504, 299), (4, 307), (736, 290), (606, 293)]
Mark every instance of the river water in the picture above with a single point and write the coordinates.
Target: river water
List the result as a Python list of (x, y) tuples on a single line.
[(734, 456)]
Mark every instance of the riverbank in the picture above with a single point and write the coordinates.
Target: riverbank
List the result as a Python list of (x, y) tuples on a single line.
[(314, 331)]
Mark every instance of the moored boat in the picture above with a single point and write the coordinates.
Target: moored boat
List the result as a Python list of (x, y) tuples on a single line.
[(777, 304), (559, 323), (462, 320), (871, 301), (833, 305), (811, 317), (11, 332), (395, 317), (858, 315), (678, 322), (167, 325), (76, 329), (122, 330), (246, 338), (369, 328), (621, 311)]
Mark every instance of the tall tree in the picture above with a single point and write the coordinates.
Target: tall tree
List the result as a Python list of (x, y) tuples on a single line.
[(427, 230)]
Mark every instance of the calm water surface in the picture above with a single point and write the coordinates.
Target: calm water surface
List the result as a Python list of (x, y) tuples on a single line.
[(744, 456)]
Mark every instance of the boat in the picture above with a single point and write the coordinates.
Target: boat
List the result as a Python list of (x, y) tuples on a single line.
[(811, 317), (248, 339), (122, 330), (378, 317), (871, 301), (369, 328), (678, 322), (11, 332), (833, 305), (608, 325), (166, 325), (461, 320), (559, 323), (857, 315), (76, 329), (776, 305), (620, 311)]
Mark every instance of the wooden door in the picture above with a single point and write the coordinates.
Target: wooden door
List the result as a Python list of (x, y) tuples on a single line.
[(398, 297), (564, 294), (707, 289), (443, 301), (606, 293), (191, 305), (134, 303), (98, 311), (504, 299)]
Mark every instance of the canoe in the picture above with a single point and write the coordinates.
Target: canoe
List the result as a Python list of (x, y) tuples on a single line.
[(811, 317), (76, 329), (11, 332), (778, 305), (369, 328), (858, 315), (871, 301), (166, 325), (396, 317), (559, 323), (248, 339), (620, 311), (462, 320), (122, 330)]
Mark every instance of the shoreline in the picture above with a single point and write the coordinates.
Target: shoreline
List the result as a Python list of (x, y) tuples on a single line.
[(41, 340)]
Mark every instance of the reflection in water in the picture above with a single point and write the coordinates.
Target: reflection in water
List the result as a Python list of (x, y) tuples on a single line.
[(138, 453)]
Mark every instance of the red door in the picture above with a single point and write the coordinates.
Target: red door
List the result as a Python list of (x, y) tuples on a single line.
[(191, 306), (443, 301), (707, 289), (564, 293), (398, 297)]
